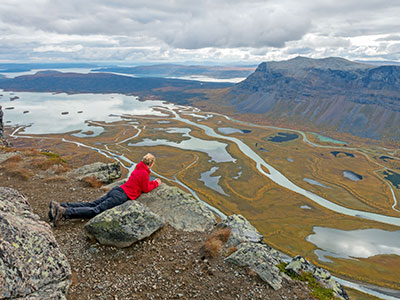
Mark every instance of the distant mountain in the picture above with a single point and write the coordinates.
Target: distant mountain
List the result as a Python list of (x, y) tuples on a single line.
[(171, 70), (331, 93), (173, 90), (24, 67)]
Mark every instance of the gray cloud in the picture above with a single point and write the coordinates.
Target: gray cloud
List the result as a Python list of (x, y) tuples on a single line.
[(206, 30)]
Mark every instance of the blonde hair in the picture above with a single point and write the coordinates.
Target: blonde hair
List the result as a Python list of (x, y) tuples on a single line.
[(148, 159)]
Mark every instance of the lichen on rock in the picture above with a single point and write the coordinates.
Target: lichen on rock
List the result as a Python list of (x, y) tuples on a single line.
[(241, 230), (300, 265), (103, 172), (179, 209), (262, 259), (31, 263), (124, 224)]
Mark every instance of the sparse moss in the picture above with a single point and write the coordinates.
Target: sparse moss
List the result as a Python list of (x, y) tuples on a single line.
[(54, 156), (317, 290), (51, 154)]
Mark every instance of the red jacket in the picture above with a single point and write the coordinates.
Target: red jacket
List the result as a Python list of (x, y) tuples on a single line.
[(139, 182)]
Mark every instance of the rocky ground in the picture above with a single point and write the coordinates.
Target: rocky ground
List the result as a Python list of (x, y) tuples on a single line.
[(168, 265)]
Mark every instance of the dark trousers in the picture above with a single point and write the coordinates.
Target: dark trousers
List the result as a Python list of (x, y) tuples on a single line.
[(87, 210)]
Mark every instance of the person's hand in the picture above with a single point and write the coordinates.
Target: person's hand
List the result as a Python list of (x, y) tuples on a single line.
[(158, 180)]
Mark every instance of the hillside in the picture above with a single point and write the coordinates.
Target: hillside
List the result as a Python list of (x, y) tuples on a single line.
[(171, 70), (173, 90), (168, 265), (331, 94)]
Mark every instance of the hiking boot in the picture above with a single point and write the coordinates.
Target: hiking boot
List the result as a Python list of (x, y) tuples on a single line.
[(60, 215), (52, 209)]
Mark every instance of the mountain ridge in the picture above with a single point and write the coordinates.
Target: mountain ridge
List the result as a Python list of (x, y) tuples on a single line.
[(344, 96)]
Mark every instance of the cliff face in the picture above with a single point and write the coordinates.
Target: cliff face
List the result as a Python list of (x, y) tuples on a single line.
[(334, 93)]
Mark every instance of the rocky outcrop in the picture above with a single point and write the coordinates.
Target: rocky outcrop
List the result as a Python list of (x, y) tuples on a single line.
[(31, 264), (300, 265), (124, 225), (241, 230), (179, 209), (262, 259), (106, 173), (3, 141), (251, 252)]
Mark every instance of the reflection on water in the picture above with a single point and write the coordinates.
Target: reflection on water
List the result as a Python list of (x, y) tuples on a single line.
[(314, 182), (362, 243), (305, 207), (352, 176), (283, 137), (212, 181), (216, 150), (328, 139), (45, 111), (229, 130)]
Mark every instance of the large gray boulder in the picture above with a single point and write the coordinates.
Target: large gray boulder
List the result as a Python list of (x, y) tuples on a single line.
[(31, 263), (3, 140), (106, 173), (300, 265), (241, 230), (262, 259), (179, 209), (124, 224)]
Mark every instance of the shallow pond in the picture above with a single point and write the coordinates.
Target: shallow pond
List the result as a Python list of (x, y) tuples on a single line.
[(393, 177), (328, 139), (314, 182), (215, 149), (352, 176), (336, 153), (229, 130), (283, 137), (212, 181), (362, 243)]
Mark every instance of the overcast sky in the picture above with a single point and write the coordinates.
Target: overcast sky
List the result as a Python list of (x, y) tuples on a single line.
[(220, 31)]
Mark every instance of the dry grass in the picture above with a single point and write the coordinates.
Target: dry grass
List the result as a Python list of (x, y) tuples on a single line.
[(55, 179), (15, 158), (31, 152), (230, 250), (222, 234), (58, 169), (43, 163), (92, 181), (212, 247), (22, 174), (252, 273)]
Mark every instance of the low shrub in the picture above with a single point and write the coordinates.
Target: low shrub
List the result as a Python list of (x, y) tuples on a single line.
[(58, 169), (222, 234), (43, 163), (212, 247), (22, 174), (31, 152), (14, 158), (92, 181)]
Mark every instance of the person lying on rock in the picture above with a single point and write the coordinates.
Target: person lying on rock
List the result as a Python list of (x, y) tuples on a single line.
[(138, 183)]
